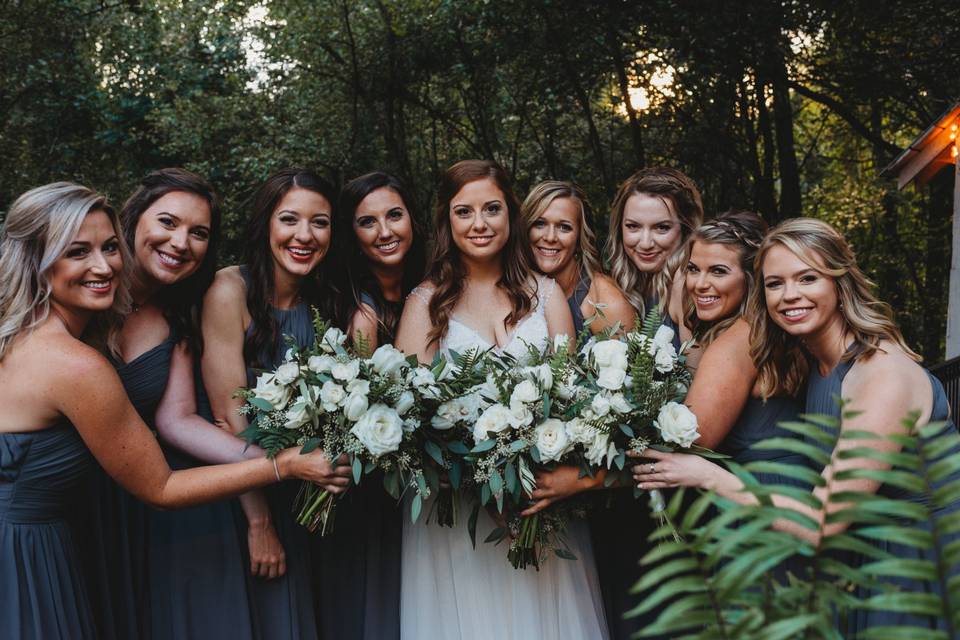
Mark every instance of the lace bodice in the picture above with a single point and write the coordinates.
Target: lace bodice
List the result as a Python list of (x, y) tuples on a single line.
[(530, 331)]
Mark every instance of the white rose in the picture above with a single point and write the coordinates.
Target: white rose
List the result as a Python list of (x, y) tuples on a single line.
[(355, 405), (598, 449), (358, 386), (600, 405), (610, 354), (331, 339), (677, 424), (494, 420), (287, 373), (663, 361), (552, 440), (297, 415), (580, 432), (380, 430), (521, 416), (320, 364), (332, 395), (453, 411), (619, 403), (664, 337), (422, 377), (611, 378), (346, 371), (405, 402), (388, 360), (267, 389), (524, 392), (561, 342)]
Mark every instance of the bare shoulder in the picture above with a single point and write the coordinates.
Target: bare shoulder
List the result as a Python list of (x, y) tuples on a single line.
[(737, 334), (889, 380), (422, 292), (70, 365), (228, 283)]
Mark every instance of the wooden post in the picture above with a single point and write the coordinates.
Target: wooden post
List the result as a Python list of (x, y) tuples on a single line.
[(953, 304)]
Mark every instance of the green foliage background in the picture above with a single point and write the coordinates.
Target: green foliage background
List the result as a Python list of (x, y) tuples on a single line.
[(784, 107)]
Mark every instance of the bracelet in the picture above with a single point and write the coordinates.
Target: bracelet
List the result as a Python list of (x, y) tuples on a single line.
[(276, 469)]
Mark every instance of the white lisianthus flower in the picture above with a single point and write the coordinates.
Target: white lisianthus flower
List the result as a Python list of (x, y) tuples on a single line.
[(331, 339), (598, 449), (525, 392), (561, 342), (619, 403), (541, 375), (628, 382), (421, 377), (610, 354), (267, 389), (663, 361), (488, 389), (388, 360), (355, 406), (297, 415), (677, 424), (664, 338), (495, 419), (332, 395), (321, 364), (346, 371), (600, 405), (465, 408), (611, 378), (579, 432), (380, 430), (287, 373), (552, 440), (410, 425), (358, 386), (522, 416), (567, 388), (405, 402)]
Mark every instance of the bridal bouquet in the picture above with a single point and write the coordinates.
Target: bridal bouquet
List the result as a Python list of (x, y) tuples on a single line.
[(327, 396), (634, 387), (523, 427)]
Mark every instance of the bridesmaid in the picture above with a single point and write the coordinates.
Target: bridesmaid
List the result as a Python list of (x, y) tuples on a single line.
[(557, 216), (195, 566), (380, 260), (61, 277), (815, 319), (250, 311), (652, 215)]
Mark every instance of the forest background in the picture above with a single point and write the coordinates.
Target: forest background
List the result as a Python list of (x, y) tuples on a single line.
[(786, 108)]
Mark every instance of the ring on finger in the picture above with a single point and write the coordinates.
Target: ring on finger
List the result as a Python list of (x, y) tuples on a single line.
[(652, 467)]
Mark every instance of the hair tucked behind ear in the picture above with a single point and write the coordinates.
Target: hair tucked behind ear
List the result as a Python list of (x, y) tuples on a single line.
[(680, 194), (39, 228), (778, 356), (446, 270)]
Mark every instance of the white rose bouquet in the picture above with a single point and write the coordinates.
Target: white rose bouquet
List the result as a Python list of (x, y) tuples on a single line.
[(633, 392), (325, 395)]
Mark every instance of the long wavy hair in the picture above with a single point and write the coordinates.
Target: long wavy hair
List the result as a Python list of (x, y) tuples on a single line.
[(679, 193), (779, 357), (39, 228), (539, 200), (446, 271), (744, 231), (181, 301), (315, 290), (354, 275)]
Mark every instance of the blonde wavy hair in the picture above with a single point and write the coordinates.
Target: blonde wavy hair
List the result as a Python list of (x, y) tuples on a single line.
[(679, 193), (539, 200), (39, 228), (780, 359), (744, 231)]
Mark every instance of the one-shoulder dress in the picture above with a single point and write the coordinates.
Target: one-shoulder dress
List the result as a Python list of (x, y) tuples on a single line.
[(42, 591), (822, 395)]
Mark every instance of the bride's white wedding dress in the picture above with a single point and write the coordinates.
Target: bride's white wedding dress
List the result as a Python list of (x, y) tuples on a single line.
[(451, 591)]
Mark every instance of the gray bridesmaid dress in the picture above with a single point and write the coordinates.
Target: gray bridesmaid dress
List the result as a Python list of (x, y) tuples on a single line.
[(42, 592), (758, 422), (822, 394)]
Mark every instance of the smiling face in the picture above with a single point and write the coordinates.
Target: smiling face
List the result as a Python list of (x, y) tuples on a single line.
[(84, 279), (300, 231), (715, 280), (479, 220), (651, 231), (555, 234), (800, 299), (172, 237), (383, 227)]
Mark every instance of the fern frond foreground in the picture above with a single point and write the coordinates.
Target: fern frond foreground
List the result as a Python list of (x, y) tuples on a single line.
[(886, 563)]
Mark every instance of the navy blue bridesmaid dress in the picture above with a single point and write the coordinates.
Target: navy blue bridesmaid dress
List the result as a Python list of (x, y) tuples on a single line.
[(758, 422), (575, 302), (822, 392), (42, 591)]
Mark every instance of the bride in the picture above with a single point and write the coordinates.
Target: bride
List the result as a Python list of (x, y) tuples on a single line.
[(480, 292)]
